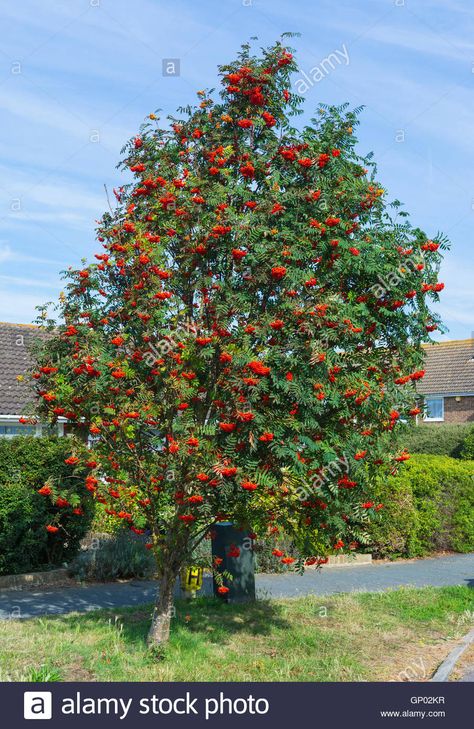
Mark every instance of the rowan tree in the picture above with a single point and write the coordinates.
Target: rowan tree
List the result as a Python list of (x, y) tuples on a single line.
[(246, 344)]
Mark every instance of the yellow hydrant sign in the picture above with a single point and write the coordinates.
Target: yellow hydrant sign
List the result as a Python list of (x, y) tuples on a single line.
[(191, 578)]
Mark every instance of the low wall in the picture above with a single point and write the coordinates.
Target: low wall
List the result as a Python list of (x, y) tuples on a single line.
[(49, 578)]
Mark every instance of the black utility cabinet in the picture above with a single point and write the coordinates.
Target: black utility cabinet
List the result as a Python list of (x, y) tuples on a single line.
[(242, 568)]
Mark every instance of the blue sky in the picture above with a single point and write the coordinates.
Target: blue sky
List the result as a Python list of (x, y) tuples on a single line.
[(77, 78)]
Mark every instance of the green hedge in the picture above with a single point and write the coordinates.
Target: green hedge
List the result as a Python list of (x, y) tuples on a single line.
[(467, 451), (428, 507), (437, 440), (25, 545)]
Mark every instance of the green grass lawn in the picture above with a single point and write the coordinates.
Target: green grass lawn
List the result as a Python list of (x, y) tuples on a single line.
[(348, 637)]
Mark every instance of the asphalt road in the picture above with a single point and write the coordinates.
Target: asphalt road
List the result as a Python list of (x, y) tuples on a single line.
[(438, 571)]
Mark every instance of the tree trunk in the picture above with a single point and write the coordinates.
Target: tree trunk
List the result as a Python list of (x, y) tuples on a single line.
[(160, 626)]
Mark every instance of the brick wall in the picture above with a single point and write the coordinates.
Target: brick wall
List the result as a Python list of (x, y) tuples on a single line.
[(459, 412)]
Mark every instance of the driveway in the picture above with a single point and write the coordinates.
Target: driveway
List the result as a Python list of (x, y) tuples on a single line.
[(437, 571)]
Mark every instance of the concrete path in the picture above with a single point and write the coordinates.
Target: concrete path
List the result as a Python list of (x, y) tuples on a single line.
[(448, 666), (438, 571)]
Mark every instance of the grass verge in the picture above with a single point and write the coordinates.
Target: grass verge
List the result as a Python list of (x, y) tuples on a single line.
[(394, 635)]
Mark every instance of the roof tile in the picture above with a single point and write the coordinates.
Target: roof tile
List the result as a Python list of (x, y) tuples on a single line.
[(449, 368), (16, 359)]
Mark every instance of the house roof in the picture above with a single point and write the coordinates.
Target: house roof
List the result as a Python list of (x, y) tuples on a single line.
[(449, 368), (15, 359)]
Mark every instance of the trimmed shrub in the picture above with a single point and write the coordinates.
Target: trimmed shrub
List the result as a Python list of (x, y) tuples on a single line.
[(428, 507), (26, 463), (436, 440), (467, 451), (120, 556), (392, 533)]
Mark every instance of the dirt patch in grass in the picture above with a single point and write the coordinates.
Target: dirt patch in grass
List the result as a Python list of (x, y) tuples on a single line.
[(416, 662), (465, 664), (77, 671)]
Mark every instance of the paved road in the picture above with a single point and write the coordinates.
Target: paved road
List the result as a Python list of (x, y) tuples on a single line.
[(455, 569), (438, 571)]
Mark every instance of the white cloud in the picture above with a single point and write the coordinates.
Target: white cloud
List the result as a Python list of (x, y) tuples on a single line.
[(5, 254), (420, 38), (62, 202), (19, 307), (78, 122), (15, 256), (34, 283), (457, 301), (53, 114)]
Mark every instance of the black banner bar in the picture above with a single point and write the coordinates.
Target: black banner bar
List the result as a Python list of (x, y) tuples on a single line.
[(266, 705)]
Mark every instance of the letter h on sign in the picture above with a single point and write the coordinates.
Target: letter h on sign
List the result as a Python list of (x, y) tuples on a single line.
[(191, 578)]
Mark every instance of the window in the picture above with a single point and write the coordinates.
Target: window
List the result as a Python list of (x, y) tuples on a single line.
[(8, 431), (12, 429), (434, 408)]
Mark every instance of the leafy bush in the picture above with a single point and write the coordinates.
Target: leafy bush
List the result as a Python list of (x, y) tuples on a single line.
[(119, 556), (467, 451), (428, 507), (436, 440), (26, 463), (104, 523), (265, 561)]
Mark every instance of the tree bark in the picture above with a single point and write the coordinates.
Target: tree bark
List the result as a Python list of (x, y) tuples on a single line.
[(160, 626)]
